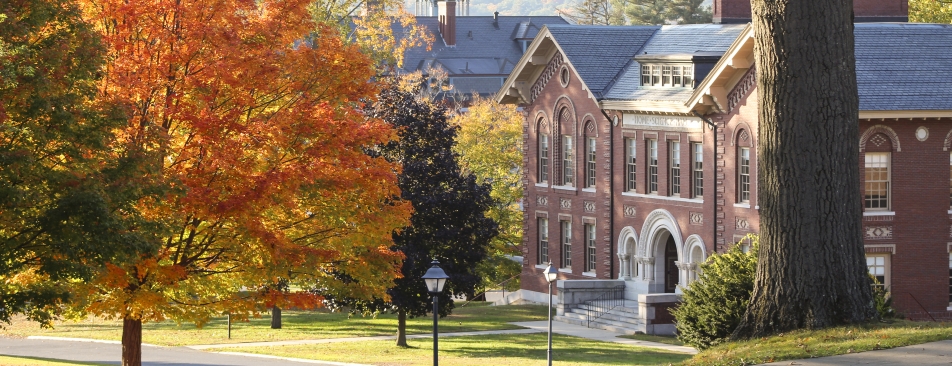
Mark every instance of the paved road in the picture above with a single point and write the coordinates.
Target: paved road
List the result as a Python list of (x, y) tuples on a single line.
[(111, 353), (929, 354)]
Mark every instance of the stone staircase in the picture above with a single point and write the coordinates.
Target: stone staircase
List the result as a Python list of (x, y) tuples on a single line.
[(620, 319)]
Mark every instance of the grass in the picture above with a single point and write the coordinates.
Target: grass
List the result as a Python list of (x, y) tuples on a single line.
[(826, 342), (654, 338), (296, 325), (499, 349), (37, 361)]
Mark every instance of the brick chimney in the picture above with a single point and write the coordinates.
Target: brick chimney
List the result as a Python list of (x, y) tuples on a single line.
[(864, 11), (447, 15)]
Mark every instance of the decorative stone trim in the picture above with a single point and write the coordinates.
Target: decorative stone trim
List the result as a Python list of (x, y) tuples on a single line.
[(630, 211), (880, 248), (746, 83), (589, 206), (741, 223), (697, 218), (878, 232), (542, 200), (547, 74), (565, 203), (885, 130)]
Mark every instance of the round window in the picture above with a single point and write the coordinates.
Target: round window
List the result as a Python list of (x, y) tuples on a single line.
[(564, 76)]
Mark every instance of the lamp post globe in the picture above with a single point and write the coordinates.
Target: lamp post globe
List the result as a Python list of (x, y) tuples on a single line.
[(435, 279), (550, 274)]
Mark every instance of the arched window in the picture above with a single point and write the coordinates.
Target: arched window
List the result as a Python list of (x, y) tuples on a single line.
[(743, 142), (590, 162), (544, 147), (877, 173), (567, 148)]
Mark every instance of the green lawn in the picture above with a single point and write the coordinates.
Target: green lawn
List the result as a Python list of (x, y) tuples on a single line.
[(35, 361), (500, 349), (297, 325), (826, 342), (672, 340)]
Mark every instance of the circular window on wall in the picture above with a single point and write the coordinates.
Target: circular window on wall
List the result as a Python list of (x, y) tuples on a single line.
[(564, 76)]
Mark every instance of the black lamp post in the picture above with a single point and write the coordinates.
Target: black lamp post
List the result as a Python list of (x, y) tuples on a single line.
[(550, 276), (435, 279)]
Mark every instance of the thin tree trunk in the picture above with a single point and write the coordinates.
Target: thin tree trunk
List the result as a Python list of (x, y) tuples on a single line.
[(275, 317), (131, 342), (811, 272), (402, 328)]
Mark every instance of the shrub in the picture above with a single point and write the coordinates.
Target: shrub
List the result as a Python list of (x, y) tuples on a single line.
[(712, 306), (882, 300)]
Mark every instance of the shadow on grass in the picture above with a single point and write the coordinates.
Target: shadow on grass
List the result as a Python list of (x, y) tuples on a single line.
[(44, 359)]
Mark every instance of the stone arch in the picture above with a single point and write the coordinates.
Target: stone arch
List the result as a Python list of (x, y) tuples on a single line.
[(656, 221), (589, 127), (883, 129), (696, 255), (948, 141), (542, 120), (627, 246), (569, 127), (738, 134)]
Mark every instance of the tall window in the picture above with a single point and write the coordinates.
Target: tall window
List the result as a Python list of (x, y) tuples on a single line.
[(566, 244), (674, 159), (743, 174), (666, 75), (630, 154), (543, 158), (543, 240), (652, 166), (589, 248), (877, 182), (878, 267), (950, 278), (568, 160), (698, 167), (590, 163)]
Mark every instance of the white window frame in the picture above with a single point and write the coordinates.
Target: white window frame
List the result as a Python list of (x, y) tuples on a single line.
[(871, 159), (568, 161), (543, 227), (566, 227), (590, 163), (881, 268), (743, 174), (674, 168), (652, 146), (697, 176), (543, 158), (631, 172), (590, 248)]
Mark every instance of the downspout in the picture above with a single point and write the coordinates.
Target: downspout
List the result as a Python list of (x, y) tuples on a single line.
[(611, 194), (713, 127)]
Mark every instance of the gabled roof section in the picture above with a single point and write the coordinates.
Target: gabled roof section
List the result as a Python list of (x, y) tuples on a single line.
[(595, 53), (902, 70), (688, 42), (598, 53), (478, 39)]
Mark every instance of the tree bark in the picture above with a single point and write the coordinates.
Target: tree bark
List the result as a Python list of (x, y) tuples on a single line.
[(811, 271), (275, 317), (131, 342), (402, 328)]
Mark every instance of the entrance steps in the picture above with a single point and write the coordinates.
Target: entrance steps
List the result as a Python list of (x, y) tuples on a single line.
[(620, 319)]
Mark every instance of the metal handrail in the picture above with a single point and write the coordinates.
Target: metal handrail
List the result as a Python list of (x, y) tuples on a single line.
[(922, 307), (605, 302), (498, 285)]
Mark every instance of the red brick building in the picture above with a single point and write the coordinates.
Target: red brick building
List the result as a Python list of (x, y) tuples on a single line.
[(627, 184)]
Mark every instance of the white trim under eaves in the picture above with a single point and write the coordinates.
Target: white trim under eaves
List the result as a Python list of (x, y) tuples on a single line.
[(704, 87), (645, 106), (905, 114)]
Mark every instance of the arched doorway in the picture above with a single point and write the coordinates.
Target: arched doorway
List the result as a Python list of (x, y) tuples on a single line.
[(671, 272)]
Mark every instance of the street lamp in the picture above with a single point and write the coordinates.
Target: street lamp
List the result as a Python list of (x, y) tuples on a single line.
[(435, 280), (550, 275)]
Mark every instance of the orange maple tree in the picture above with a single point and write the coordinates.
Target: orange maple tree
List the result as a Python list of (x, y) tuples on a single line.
[(259, 146)]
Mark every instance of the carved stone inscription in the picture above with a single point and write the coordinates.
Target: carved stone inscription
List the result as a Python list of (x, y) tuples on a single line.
[(665, 122)]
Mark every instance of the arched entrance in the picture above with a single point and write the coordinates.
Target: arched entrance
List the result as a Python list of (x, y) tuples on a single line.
[(671, 272)]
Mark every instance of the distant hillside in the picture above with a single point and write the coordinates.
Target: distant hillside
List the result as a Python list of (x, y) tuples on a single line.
[(515, 7)]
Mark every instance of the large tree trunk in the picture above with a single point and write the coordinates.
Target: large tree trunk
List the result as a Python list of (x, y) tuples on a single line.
[(811, 271), (402, 328), (275, 317), (131, 342)]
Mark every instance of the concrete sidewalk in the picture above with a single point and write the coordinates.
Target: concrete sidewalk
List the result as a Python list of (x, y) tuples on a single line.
[(600, 335), (928, 354), (358, 339)]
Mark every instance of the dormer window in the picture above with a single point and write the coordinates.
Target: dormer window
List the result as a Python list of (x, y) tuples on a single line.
[(677, 76)]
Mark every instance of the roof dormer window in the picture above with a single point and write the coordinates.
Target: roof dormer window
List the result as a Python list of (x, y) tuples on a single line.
[(677, 76)]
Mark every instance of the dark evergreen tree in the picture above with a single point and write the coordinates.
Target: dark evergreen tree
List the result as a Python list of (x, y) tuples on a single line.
[(449, 221)]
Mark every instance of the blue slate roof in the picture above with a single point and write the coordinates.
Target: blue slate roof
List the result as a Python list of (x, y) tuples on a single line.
[(600, 52), (480, 41), (904, 66), (671, 40)]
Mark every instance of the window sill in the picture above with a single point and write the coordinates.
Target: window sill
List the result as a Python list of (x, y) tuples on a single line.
[(540, 266), (879, 213), (742, 205), (591, 190), (564, 188), (542, 185), (588, 274), (566, 270), (664, 198)]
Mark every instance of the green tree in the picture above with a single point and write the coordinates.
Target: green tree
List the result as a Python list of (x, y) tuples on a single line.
[(489, 144), (64, 196), (690, 12), (449, 221), (930, 11), (660, 12), (650, 12), (811, 270)]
